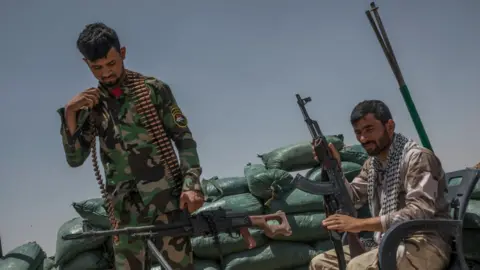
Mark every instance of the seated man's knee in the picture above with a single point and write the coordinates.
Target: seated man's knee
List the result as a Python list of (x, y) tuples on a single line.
[(365, 261), (323, 262)]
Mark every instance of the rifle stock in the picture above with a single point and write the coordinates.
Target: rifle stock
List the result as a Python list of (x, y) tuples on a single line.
[(332, 186)]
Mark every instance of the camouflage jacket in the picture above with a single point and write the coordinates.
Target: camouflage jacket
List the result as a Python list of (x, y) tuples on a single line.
[(126, 149), (422, 194)]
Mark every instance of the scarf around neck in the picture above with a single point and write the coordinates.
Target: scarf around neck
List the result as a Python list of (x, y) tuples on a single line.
[(391, 178)]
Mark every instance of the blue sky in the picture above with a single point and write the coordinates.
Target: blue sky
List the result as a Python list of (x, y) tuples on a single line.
[(234, 67)]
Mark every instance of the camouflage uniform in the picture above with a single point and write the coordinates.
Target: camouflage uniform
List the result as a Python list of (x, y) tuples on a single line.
[(421, 197), (135, 178)]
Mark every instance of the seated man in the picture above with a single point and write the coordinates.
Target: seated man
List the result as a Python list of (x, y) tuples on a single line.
[(400, 181)]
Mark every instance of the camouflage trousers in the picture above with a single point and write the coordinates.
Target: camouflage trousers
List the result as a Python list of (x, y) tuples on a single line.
[(414, 254), (130, 252)]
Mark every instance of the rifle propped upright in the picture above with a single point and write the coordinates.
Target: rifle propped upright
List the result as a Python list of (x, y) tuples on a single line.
[(332, 186)]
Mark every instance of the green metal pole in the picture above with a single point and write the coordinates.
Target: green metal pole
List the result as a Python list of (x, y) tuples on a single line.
[(387, 49)]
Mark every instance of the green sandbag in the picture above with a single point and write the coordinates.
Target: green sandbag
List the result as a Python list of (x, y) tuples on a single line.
[(243, 203), (305, 227), (349, 169), (94, 211), (296, 157), (28, 256), (264, 184), (66, 250), (94, 259), (198, 265), (206, 265), (296, 201), (354, 153), (204, 246), (49, 263), (322, 246), (216, 188), (251, 170), (276, 255)]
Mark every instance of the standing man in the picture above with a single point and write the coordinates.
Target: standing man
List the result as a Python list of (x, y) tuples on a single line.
[(138, 179), (400, 181)]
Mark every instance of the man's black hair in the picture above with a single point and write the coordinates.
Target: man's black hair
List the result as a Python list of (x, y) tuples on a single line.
[(96, 40), (376, 107)]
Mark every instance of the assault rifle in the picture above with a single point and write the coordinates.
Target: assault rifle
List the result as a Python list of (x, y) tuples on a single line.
[(332, 186), (205, 223)]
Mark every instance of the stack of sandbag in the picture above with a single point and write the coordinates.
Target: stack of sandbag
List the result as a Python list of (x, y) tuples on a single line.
[(264, 188), (29, 256), (88, 253)]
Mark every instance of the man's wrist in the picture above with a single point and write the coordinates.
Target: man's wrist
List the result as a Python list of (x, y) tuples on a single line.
[(368, 224), (190, 184), (70, 112)]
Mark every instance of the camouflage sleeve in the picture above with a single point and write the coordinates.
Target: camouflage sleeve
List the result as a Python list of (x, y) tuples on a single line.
[(357, 189), (176, 125), (423, 172), (76, 146)]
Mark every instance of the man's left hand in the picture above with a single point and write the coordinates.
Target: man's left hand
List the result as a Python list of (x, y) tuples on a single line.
[(193, 200), (342, 223)]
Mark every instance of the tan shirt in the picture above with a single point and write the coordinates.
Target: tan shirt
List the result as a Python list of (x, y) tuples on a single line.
[(423, 193)]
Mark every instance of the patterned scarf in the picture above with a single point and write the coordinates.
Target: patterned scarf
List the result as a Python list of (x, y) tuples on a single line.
[(389, 202)]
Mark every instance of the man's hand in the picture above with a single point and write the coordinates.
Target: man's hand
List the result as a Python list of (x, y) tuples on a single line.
[(334, 151), (342, 223), (85, 99), (193, 200)]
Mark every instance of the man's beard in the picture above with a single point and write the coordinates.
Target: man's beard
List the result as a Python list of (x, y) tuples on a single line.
[(383, 143), (117, 81), (111, 84)]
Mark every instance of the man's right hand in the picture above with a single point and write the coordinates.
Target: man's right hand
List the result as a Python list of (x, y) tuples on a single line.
[(85, 99), (332, 148)]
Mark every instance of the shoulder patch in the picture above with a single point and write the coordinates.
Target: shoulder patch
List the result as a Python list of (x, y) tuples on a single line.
[(178, 118)]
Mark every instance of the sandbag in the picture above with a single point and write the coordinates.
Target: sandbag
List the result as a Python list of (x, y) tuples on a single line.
[(245, 202), (349, 169), (276, 255), (305, 227), (322, 246), (266, 183), (28, 256), (198, 265), (296, 157), (216, 188), (296, 201), (204, 246), (94, 259), (354, 153), (205, 265), (66, 250), (94, 211), (251, 170), (49, 263)]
